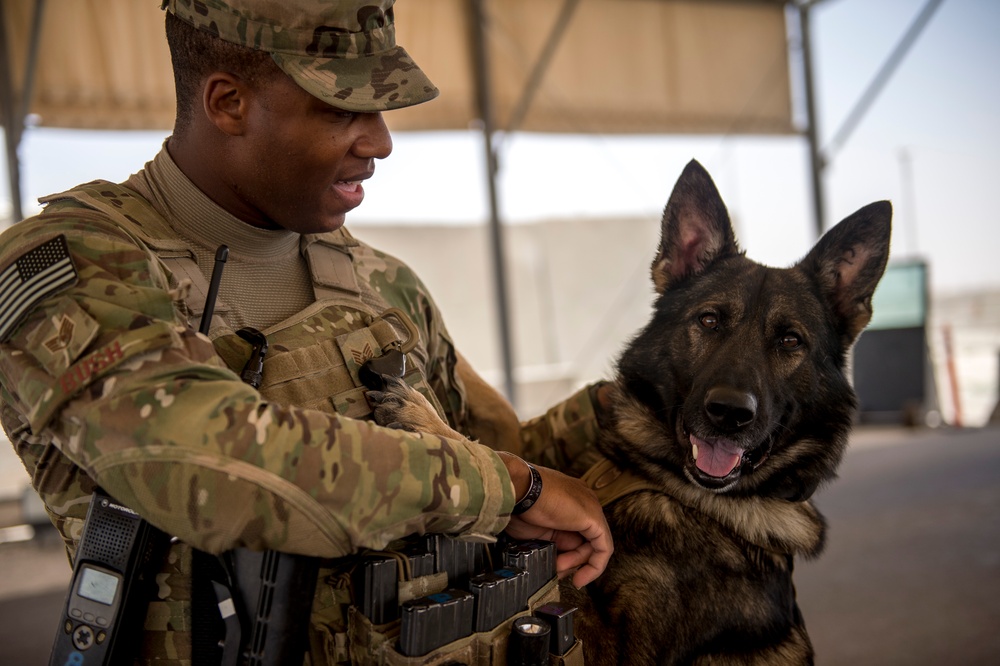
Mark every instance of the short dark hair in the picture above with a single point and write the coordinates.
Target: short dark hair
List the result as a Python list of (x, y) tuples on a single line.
[(195, 54)]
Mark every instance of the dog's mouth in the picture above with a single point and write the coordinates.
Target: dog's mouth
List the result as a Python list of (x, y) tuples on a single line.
[(719, 462), (717, 458)]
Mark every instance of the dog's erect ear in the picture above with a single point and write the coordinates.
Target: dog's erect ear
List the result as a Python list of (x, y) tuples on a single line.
[(848, 261), (695, 230)]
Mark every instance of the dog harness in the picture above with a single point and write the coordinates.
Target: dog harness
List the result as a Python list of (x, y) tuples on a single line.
[(611, 483)]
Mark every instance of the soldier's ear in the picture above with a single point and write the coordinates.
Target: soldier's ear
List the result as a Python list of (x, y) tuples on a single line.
[(225, 99)]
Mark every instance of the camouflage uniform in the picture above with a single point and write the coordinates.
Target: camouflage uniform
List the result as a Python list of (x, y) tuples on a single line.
[(105, 381)]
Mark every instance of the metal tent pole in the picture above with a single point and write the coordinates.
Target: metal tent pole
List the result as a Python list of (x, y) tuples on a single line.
[(485, 104), (11, 119), (12, 110), (816, 162)]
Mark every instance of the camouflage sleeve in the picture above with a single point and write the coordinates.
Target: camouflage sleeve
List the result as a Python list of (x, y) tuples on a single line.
[(106, 374), (563, 437)]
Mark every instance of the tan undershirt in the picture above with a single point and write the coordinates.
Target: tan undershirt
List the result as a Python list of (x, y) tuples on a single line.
[(265, 279)]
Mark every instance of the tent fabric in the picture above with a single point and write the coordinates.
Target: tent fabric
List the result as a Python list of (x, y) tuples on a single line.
[(622, 66), (102, 64)]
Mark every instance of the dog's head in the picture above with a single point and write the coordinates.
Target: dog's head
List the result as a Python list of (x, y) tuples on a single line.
[(738, 382)]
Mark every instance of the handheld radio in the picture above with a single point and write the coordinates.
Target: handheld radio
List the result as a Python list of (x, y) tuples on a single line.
[(110, 571)]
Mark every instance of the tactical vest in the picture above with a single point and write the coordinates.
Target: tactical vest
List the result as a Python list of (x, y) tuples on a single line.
[(312, 361), (313, 357)]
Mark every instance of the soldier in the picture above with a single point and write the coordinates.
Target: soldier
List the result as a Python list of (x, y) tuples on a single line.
[(107, 382)]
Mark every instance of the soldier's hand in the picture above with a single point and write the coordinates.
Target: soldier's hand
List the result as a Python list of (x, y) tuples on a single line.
[(566, 513)]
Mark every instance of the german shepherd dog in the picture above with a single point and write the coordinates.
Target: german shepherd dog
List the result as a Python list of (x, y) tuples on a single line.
[(728, 410)]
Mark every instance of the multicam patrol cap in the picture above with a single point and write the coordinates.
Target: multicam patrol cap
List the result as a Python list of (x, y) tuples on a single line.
[(342, 51)]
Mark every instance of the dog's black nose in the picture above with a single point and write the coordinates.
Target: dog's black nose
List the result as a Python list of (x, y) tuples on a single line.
[(730, 409)]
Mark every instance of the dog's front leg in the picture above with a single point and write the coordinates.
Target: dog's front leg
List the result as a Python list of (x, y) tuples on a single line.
[(403, 407)]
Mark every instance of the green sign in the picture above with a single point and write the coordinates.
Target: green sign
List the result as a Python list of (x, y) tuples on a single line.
[(900, 300)]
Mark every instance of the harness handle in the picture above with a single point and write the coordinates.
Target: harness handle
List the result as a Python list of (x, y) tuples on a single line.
[(407, 345)]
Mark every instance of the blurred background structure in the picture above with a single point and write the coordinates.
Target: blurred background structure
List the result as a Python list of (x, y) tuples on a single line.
[(560, 114), (528, 198), (513, 66)]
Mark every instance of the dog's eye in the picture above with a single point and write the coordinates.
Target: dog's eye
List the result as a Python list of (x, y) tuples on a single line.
[(790, 341), (709, 320)]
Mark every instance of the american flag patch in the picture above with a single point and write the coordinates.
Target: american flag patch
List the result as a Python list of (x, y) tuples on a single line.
[(36, 275)]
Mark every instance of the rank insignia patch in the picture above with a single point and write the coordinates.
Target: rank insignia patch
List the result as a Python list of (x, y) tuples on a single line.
[(36, 275)]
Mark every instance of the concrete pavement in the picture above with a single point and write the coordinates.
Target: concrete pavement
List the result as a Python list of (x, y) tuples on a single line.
[(911, 572)]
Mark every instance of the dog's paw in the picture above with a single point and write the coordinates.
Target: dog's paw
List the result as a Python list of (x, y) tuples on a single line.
[(402, 407), (389, 409)]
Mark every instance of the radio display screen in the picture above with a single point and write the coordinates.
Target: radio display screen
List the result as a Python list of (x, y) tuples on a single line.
[(97, 586)]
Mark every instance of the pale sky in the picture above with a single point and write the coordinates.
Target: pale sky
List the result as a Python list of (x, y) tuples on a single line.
[(941, 111)]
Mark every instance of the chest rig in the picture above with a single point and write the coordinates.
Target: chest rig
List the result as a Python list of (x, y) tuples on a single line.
[(313, 361), (314, 356)]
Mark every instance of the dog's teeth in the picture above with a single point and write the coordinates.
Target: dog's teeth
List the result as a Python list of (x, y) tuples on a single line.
[(694, 450)]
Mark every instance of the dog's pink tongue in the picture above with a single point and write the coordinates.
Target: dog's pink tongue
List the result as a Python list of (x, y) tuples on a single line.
[(717, 458)]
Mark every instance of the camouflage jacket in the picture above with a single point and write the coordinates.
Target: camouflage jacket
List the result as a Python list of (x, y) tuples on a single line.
[(105, 382)]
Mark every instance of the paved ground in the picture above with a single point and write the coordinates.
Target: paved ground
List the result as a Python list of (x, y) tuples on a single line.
[(911, 574)]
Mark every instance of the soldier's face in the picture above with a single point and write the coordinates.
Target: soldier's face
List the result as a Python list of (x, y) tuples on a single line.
[(302, 162)]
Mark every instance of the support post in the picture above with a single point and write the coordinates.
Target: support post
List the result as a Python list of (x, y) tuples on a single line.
[(816, 161), (12, 120), (14, 110), (485, 107)]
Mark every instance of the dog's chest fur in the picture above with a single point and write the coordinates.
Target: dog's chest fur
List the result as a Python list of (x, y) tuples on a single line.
[(697, 575)]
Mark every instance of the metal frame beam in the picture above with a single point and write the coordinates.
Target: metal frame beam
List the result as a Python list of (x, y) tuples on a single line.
[(819, 158), (534, 81), (882, 77)]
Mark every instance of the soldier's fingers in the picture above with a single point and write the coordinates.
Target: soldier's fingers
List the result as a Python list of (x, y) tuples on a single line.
[(591, 524), (579, 562), (599, 536), (569, 560), (590, 555), (586, 574), (520, 529)]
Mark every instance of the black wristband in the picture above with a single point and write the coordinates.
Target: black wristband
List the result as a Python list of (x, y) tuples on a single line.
[(534, 492)]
